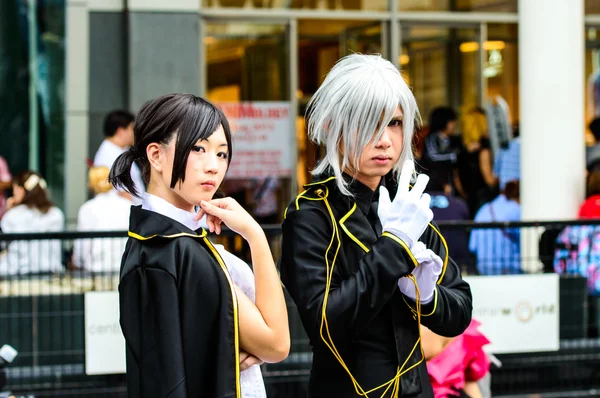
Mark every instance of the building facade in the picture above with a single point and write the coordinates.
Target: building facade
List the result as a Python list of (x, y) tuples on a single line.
[(75, 60)]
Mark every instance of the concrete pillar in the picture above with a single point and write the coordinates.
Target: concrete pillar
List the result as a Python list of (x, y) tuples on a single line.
[(551, 90), (164, 49), (76, 107), (551, 84)]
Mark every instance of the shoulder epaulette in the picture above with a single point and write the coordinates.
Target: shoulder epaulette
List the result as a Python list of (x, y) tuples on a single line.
[(314, 191)]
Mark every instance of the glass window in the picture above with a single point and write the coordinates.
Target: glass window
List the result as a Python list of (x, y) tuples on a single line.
[(32, 77), (247, 76), (592, 6), (501, 67), (459, 5), (441, 65), (320, 45), (246, 62), (321, 5)]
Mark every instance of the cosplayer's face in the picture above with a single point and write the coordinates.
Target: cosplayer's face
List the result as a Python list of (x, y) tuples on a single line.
[(205, 169), (378, 160)]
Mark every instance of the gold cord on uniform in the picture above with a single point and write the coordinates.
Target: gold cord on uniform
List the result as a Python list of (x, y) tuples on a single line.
[(394, 383)]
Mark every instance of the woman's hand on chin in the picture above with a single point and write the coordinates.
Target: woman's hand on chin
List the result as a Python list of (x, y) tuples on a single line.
[(232, 214)]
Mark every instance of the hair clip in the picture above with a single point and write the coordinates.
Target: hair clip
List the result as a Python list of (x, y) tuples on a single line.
[(33, 181)]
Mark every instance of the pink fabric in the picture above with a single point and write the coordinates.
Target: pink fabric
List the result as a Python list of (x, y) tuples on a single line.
[(4, 177), (463, 359)]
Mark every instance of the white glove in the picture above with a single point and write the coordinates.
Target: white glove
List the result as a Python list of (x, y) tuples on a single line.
[(408, 215), (426, 274)]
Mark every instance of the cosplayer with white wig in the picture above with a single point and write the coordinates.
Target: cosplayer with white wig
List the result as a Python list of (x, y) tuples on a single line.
[(358, 99), (361, 257)]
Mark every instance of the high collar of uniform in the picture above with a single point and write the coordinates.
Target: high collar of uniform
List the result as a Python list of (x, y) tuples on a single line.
[(362, 195), (157, 217), (161, 206)]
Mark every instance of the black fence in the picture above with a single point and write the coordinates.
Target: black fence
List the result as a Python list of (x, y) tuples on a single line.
[(42, 312)]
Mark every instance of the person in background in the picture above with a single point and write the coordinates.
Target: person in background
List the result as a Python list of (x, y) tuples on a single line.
[(507, 163), (31, 210), (450, 208), (474, 164), (439, 155), (592, 152), (498, 249), (5, 183), (456, 365), (591, 207), (107, 211), (118, 137)]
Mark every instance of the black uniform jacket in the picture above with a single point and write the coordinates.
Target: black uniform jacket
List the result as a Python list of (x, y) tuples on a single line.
[(178, 312), (361, 327)]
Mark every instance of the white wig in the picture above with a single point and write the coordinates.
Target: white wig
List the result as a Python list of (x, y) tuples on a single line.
[(352, 108)]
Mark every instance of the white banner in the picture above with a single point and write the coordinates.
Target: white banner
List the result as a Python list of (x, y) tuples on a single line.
[(104, 341), (518, 313), (262, 139)]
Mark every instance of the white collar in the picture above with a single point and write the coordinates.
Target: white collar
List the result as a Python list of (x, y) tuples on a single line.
[(161, 206)]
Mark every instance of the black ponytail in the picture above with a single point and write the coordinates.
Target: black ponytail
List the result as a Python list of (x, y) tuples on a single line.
[(120, 173)]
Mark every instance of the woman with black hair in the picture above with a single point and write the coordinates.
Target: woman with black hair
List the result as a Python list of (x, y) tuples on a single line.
[(184, 319), (439, 155)]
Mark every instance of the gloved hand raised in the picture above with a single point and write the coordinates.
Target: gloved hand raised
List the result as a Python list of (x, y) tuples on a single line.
[(408, 215), (426, 274)]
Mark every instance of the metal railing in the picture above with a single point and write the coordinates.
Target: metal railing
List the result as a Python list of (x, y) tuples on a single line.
[(42, 312)]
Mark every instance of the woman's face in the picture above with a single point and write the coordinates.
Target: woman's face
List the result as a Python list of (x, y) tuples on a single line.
[(206, 167), (18, 193)]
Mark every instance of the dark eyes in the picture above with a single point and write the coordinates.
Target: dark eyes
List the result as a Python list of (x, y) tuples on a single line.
[(200, 149), (395, 123)]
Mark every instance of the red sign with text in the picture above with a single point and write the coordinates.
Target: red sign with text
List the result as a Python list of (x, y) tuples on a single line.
[(262, 139)]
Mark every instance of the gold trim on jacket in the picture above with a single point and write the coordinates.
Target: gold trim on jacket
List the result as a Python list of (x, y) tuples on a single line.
[(219, 259)]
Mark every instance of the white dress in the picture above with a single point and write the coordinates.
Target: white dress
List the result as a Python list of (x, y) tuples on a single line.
[(251, 379), (32, 256), (105, 212)]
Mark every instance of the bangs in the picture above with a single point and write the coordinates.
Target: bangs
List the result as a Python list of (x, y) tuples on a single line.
[(199, 120), (374, 108), (352, 108)]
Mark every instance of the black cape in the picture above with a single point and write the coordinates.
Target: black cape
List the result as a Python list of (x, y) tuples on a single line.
[(178, 312)]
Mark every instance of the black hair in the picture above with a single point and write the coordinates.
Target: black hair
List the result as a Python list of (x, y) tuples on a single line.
[(437, 182), (512, 190), (593, 184), (440, 117), (186, 117), (115, 120), (595, 128)]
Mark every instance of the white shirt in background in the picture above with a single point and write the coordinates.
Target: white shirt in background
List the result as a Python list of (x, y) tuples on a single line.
[(251, 379), (106, 155), (105, 212), (32, 256)]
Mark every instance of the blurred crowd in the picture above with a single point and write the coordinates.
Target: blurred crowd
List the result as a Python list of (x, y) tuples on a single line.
[(473, 161)]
